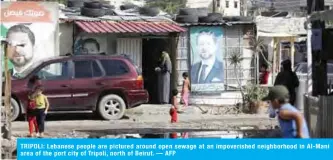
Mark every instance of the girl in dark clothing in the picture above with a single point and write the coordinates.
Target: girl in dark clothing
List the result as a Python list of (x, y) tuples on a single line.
[(289, 79)]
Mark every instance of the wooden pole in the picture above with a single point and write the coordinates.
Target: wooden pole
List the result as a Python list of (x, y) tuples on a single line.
[(8, 112), (292, 52), (7, 97)]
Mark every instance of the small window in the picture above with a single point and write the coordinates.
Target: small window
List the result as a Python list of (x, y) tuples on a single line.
[(114, 67), (236, 4), (218, 3), (226, 4), (54, 71)]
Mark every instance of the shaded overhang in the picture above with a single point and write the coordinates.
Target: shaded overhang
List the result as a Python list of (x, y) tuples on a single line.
[(129, 27)]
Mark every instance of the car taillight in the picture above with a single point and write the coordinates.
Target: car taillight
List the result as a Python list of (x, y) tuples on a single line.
[(139, 82)]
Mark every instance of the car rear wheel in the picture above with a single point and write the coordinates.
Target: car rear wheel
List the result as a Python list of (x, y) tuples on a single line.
[(111, 107)]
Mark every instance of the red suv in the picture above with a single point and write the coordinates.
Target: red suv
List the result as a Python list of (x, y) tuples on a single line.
[(107, 85)]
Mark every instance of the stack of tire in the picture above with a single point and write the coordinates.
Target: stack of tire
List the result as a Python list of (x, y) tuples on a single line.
[(195, 15), (128, 6), (96, 8), (237, 18), (146, 11), (149, 11)]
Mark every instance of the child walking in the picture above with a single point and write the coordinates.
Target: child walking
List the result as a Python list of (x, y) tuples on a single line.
[(292, 122), (42, 106), (186, 89), (31, 115), (174, 114), (31, 107)]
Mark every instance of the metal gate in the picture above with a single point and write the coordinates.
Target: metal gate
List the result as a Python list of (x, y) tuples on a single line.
[(319, 115), (131, 47)]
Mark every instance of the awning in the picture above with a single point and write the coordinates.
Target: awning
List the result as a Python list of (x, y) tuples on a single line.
[(128, 27), (322, 15)]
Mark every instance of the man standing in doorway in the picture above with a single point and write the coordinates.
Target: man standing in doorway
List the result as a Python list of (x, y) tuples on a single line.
[(22, 40), (209, 69)]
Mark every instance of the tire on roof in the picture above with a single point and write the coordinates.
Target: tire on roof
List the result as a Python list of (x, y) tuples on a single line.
[(91, 12), (202, 12), (93, 4), (147, 11), (127, 6), (188, 11), (187, 18), (109, 11), (231, 18), (211, 18), (75, 3), (105, 2), (108, 6)]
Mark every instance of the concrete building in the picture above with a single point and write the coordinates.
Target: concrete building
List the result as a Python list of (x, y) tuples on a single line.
[(118, 3), (226, 7)]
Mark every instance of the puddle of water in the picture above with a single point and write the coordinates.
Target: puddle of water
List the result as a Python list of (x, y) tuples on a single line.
[(222, 134)]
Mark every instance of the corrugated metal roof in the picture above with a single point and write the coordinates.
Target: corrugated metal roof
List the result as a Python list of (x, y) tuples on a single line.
[(128, 27), (217, 24)]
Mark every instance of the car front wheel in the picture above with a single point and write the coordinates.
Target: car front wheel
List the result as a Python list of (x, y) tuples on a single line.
[(15, 110), (111, 107)]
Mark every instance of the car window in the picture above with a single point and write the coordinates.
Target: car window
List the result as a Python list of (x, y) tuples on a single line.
[(97, 72), (330, 68), (87, 69), (114, 67), (54, 71)]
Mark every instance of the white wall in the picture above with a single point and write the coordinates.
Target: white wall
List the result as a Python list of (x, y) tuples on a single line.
[(222, 8), (117, 3), (65, 38), (232, 9)]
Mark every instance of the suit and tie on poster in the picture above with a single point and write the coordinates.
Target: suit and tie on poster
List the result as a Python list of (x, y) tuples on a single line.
[(207, 67), (30, 30)]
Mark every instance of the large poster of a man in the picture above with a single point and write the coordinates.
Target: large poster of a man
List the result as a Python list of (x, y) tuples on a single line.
[(207, 67), (90, 44), (22, 55), (31, 28)]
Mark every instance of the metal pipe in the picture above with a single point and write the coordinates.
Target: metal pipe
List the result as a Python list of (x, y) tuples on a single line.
[(309, 57)]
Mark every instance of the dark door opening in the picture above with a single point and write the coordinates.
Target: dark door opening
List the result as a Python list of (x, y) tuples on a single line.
[(151, 52)]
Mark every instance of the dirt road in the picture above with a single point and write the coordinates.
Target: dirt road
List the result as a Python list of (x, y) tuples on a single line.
[(151, 119)]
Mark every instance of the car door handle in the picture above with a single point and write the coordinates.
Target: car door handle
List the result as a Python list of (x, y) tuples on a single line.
[(65, 85), (101, 83)]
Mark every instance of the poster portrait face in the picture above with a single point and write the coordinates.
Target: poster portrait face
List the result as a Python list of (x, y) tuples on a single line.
[(90, 46), (207, 66), (24, 39), (206, 45)]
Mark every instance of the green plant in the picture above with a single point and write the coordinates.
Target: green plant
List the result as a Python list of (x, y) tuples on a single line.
[(254, 93), (236, 59), (258, 47)]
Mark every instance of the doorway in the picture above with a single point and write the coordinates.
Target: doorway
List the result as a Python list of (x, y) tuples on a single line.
[(151, 52)]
